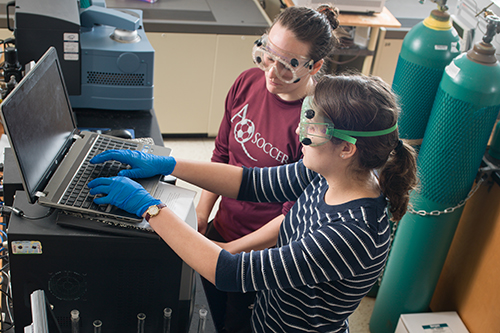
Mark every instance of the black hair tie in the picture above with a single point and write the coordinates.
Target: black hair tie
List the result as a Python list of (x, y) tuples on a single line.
[(399, 145)]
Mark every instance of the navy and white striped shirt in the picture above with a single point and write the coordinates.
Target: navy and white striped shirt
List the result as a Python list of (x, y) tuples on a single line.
[(326, 260)]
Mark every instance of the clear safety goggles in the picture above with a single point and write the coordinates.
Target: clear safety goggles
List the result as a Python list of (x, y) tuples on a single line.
[(315, 128), (289, 68)]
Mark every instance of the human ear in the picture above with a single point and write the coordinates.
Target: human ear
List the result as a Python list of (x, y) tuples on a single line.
[(348, 149), (317, 66)]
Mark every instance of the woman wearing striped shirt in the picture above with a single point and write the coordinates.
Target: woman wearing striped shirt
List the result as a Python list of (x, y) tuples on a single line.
[(355, 175)]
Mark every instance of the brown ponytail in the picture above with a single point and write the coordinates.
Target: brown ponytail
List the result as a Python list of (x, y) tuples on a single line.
[(397, 178), (364, 103)]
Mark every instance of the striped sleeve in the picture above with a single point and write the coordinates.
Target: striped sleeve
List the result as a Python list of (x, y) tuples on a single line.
[(336, 251), (275, 184)]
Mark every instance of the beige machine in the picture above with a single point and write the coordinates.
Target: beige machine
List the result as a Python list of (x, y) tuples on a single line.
[(387, 53)]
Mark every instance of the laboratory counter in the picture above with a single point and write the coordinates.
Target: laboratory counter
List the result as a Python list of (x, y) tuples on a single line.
[(243, 17)]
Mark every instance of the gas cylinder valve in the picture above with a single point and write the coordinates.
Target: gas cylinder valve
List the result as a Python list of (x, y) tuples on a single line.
[(492, 28), (441, 4)]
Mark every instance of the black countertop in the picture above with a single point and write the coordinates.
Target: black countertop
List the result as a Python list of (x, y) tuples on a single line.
[(232, 17)]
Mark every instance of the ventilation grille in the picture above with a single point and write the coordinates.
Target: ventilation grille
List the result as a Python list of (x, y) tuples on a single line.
[(68, 285), (115, 79)]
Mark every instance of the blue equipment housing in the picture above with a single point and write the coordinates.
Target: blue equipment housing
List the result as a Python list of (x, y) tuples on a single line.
[(115, 75), (105, 55)]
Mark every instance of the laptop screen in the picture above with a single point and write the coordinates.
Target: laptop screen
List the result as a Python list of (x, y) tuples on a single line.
[(38, 119)]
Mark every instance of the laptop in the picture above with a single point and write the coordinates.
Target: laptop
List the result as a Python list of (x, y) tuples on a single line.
[(50, 150)]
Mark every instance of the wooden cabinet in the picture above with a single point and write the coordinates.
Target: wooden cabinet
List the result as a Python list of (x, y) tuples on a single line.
[(470, 280)]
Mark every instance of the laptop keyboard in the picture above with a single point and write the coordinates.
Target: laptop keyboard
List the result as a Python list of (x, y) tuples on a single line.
[(77, 194)]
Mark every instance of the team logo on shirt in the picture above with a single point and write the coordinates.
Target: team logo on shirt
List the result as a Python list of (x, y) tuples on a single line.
[(244, 131)]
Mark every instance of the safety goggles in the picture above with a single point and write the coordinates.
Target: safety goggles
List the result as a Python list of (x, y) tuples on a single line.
[(316, 128), (289, 68)]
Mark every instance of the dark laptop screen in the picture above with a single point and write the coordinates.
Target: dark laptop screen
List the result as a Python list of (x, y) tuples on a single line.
[(37, 136)]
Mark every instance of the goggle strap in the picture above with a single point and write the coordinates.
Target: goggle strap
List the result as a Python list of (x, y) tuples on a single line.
[(347, 135), (309, 65), (342, 136), (374, 133)]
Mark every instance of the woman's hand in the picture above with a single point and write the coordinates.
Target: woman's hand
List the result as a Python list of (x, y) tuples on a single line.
[(123, 193), (143, 165)]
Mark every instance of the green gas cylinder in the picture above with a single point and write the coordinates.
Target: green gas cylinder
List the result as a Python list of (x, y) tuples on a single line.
[(427, 49), (461, 121)]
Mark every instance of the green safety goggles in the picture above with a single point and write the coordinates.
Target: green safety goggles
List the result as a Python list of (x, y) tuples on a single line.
[(316, 128)]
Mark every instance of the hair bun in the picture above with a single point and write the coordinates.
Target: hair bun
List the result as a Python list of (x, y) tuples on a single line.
[(331, 13)]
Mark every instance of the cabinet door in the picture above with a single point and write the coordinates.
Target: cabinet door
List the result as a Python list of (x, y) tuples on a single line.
[(183, 75), (233, 56)]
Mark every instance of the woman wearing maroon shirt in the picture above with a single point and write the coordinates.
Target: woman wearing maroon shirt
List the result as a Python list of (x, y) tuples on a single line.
[(262, 110)]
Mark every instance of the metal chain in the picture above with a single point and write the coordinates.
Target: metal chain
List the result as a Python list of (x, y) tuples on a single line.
[(484, 176), (448, 210), (484, 173)]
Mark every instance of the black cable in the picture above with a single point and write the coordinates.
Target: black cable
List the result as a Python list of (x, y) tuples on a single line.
[(21, 214), (49, 212), (9, 40), (53, 315), (10, 210), (6, 294), (8, 328), (8, 303), (4, 267)]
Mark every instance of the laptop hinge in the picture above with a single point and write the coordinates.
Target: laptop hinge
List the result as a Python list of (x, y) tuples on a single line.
[(39, 194), (76, 136)]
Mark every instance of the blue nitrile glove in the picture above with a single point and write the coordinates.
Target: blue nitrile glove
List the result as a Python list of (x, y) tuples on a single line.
[(123, 193), (143, 165)]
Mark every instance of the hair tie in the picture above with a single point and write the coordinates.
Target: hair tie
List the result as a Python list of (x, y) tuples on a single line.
[(324, 9), (399, 145)]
